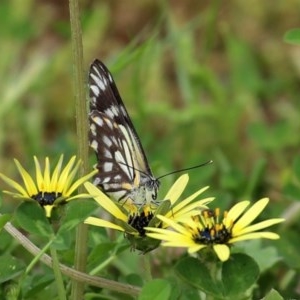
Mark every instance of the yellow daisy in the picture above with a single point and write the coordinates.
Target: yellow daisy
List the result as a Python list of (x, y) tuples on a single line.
[(208, 229), (48, 189), (132, 220)]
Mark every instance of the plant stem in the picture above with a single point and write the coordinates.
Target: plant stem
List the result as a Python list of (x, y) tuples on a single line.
[(30, 266), (58, 277), (147, 266), (81, 125), (74, 274)]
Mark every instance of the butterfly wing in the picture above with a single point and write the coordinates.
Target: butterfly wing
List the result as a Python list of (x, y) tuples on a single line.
[(123, 168)]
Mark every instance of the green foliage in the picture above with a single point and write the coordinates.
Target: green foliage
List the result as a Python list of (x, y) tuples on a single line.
[(201, 81)]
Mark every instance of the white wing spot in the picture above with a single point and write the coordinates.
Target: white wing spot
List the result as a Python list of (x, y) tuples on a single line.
[(109, 113), (107, 153), (94, 145), (96, 71), (93, 129), (109, 123), (106, 180), (95, 90), (98, 121), (101, 82), (107, 141), (108, 166), (114, 110), (118, 177)]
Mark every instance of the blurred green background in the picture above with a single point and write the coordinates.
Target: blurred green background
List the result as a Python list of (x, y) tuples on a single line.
[(201, 80)]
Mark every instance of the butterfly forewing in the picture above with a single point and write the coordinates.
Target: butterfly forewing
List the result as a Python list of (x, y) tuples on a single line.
[(124, 172)]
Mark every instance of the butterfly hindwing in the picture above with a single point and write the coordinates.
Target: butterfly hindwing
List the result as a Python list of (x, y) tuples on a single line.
[(124, 172)]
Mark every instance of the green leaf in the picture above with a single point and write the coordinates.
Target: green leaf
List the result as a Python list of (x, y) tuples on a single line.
[(292, 36), (157, 289), (296, 167), (4, 219), (10, 268), (273, 295), (31, 217), (266, 257), (239, 274), (76, 212), (195, 273)]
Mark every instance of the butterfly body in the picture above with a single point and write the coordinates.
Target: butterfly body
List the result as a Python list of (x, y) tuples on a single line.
[(124, 173)]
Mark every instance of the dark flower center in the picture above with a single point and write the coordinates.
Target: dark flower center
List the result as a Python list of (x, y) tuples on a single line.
[(212, 231), (46, 198), (211, 235), (140, 221)]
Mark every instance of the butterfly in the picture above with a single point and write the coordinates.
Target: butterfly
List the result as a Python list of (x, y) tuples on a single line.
[(124, 173)]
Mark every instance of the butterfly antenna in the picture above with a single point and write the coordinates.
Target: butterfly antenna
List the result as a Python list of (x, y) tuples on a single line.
[(133, 168), (186, 169)]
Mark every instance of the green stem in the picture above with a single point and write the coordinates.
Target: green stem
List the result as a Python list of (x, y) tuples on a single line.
[(147, 267), (74, 274), (30, 266), (82, 129), (58, 277)]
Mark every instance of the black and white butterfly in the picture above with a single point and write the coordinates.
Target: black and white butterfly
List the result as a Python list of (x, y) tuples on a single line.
[(124, 173)]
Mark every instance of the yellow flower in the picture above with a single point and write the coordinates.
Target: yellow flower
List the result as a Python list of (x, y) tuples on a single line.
[(132, 220), (48, 190), (208, 229)]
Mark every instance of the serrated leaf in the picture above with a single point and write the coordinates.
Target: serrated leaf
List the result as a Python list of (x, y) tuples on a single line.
[(31, 217), (157, 289), (195, 273), (239, 274)]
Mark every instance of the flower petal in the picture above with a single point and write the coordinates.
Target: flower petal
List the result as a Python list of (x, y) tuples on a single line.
[(255, 235), (55, 175), (102, 223), (235, 212), (251, 214), (177, 188), (257, 226), (105, 202), (222, 251), (65, 177), (38, 174), (80, 181), (188, 200), (14, 185), (28, 181), (46, 187)]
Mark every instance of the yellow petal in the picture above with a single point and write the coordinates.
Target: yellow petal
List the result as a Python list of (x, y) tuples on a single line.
[(251, 214), (235, 212), (197, 206), (79, 182), (174, 225), (255, 235), (105, 202), (39, 176), (189, 199), (65, 178), (48, 210), (28, 182), (222, 251), (55, 175), (256, 227), (46, 186), (102, 223), (177, 188), (14, 185), (196, 248)]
